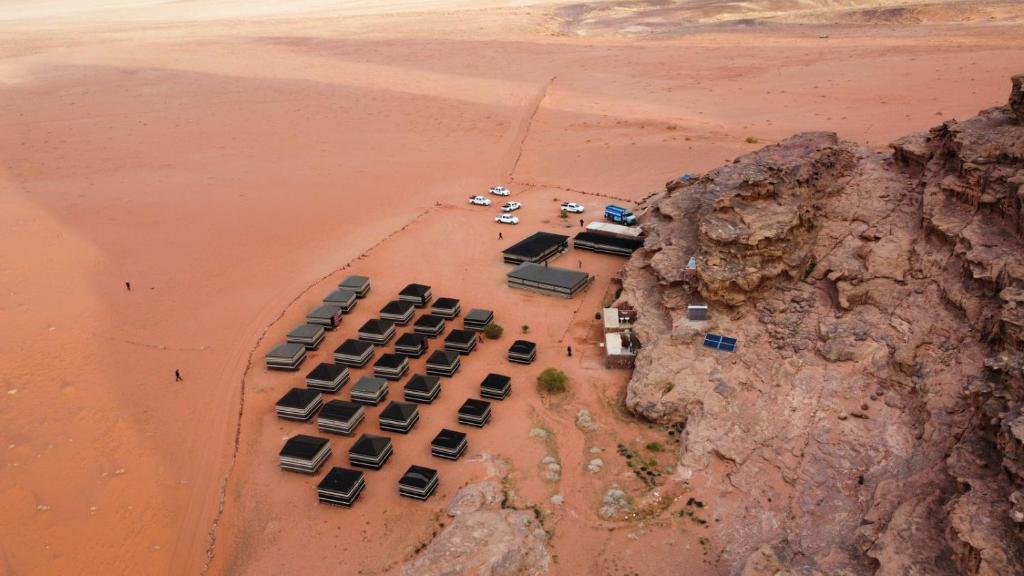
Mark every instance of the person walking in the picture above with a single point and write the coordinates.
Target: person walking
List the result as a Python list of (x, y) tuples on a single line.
[(581, 222), (177, 376), (579, 263), (128, 285), (500, 237), (568, 351)]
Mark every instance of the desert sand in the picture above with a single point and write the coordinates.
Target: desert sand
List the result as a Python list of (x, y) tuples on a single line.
[(234, 161)]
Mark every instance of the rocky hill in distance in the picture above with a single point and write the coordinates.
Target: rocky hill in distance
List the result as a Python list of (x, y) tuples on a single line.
[(870, 421)]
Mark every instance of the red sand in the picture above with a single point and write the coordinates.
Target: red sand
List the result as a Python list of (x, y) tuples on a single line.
[(229, 167)]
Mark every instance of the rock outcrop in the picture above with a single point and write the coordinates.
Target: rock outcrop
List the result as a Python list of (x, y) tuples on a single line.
[(484, 538), (871, 420)]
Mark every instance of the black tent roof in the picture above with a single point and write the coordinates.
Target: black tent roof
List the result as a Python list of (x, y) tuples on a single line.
[(474, 407), (410, 339), (418, 477), (522, 347), (417, 290), (339, 410), (536, 245), (399, 307), (340, 295), (629, 244), (445, 303), (448, 438), (390, 361), (495, 381), (398, 410), (370, 445), (369, 384), (302, 446), (341, 480), (479, 315), (460, 336), (549, 275), (306, 331), (353, 347), (326, 372), (443, 357), (286, 351), (422, 382), (298, 398), (428, 321), (324, 311), (354, 282), (376, 326)]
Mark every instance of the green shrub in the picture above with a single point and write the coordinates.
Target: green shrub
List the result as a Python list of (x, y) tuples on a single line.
[(493, 331), (752, 140), (655, 446), (563, 214), (552, 381), (526, 328)]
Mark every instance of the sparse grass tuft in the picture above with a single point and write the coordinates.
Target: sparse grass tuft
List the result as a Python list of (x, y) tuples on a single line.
[(493, 331), (752, 140), (655, 447), (552, 381)]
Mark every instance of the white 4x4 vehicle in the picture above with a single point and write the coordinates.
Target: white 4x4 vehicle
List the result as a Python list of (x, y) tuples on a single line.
[(499, 191), (506, 219), (479, 200), (572, 207), (510, 206)]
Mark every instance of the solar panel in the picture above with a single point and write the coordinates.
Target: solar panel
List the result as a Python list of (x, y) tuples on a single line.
[(723, 343)]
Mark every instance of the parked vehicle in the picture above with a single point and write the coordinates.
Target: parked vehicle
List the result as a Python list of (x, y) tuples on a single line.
[(511, 206), (499, 191), (572, 207), (506, 219), (479, 200), (619, 215)]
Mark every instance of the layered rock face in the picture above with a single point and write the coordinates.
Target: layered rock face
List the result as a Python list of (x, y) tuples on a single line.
[(871, 418)]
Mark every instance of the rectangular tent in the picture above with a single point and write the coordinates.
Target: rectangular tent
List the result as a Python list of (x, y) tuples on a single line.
[(298, 404), (449, 444), (447, 308), (376, 331), (354, 353), (422, 388), (398, 311), (418, 482), (607, 244), (475, 412), (496, 386), (548, 280), (461, 341), (417, 294), (304, 454), (430, 325), (358, 284), (340, 417), (326, 315), (443, 363), (370, 451), (478, 319), (399, 417), (391, 366), (522, 352), (327, 377), (369, 390), (536, 248), (309, 335), (287, 356), (411, 344), (342, 298), (340, 487)]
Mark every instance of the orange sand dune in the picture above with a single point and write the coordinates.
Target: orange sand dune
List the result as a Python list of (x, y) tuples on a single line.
[(229, 162)]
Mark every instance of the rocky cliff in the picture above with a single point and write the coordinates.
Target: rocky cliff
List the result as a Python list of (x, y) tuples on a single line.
[(870, 420)]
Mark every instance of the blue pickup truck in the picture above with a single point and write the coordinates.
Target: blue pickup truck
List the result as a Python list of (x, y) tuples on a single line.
[(619, 215)]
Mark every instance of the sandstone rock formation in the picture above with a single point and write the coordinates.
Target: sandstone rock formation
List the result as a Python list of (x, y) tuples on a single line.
[(484, 538), (872, 418)]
